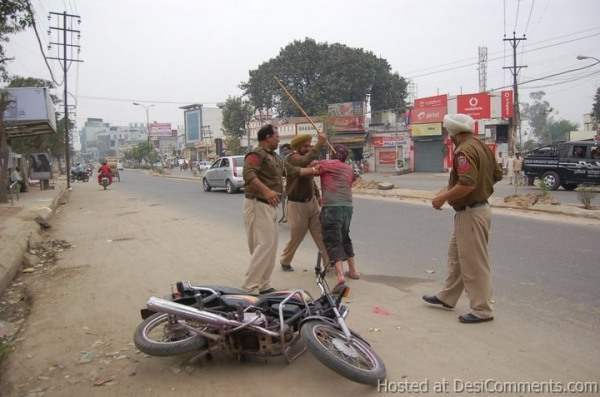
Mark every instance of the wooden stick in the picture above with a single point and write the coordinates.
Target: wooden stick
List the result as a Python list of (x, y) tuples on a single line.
[(295, 102)]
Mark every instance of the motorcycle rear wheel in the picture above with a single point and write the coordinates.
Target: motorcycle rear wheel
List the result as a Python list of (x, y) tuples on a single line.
[(145, 343), (352, 359)]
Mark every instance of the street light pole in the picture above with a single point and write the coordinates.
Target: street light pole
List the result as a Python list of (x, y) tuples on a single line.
[(147, 108)]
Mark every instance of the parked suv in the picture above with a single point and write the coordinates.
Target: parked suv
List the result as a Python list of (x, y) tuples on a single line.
[(225, 172), (565, 164)]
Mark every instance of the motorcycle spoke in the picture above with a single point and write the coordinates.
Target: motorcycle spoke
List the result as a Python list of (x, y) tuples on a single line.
[(361, 360)]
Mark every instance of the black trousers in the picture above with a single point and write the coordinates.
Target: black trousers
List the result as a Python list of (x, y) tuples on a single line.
[(335, 223)]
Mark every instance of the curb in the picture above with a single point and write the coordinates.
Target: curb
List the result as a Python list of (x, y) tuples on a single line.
[(183, 178), (429, 196), (12, 254)]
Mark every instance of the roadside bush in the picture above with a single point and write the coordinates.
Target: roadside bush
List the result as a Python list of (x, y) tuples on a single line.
[(586, 194)]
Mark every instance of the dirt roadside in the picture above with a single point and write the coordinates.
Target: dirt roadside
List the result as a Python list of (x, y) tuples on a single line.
[(85, 310)]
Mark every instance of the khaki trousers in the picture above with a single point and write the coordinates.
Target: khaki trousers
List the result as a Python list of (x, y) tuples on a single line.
[(303, 217), (260, 220), (468, 261)]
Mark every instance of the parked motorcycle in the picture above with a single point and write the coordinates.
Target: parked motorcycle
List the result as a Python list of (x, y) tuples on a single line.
[(208, 319)]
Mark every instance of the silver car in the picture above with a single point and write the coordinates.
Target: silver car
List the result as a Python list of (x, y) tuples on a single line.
[(225, 172)]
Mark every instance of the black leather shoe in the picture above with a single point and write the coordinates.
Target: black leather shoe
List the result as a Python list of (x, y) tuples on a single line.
[(470, 318), (267, 291), (433, 300), (287, 268)]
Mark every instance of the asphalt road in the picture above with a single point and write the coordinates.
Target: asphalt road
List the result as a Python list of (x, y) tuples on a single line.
[(539, 267)]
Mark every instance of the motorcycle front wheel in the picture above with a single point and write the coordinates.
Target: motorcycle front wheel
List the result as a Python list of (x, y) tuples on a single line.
[(353, 359), (158, 336)]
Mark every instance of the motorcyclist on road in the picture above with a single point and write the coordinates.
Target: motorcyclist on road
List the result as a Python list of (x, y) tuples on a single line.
[(104, 171)]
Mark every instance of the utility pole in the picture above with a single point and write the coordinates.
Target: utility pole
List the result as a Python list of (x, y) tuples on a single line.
[(65, 58), (482, 66), (514, 69)]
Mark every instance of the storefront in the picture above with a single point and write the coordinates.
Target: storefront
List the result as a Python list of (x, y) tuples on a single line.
[(429, 147), (391, 151)]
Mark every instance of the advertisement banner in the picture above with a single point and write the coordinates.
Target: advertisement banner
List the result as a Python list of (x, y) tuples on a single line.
[(477, 105), (348, 123), (507, 104), (160, 129), (389, 140), (429, 110), (387, 157), (431, 129), (193, 122), (347, 109)]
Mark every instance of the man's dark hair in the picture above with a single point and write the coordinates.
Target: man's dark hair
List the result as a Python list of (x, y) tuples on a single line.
[(286, 146), (341, 153), (265, 132)]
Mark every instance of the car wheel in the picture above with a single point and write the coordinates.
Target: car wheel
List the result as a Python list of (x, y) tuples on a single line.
[(551, 180), (229, 187), (205, 185), (569, 186)]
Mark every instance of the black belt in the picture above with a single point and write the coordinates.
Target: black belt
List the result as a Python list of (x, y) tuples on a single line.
[(474, 205), (306, 200), (258, 199)]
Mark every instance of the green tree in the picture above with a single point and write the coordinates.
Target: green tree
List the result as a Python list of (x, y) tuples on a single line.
[(236, 115), (234, 147), (596, 109), (559, 130), (537, 113), (15, 16), (318, 74)]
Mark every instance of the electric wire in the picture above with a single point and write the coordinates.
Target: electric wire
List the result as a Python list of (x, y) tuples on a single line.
[(37, 35)]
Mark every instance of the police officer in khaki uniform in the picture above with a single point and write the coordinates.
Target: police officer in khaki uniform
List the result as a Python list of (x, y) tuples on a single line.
[(302, 206), (474, 173), (263, 173)]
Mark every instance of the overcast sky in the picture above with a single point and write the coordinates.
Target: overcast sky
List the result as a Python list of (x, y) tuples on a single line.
[(190, 51)]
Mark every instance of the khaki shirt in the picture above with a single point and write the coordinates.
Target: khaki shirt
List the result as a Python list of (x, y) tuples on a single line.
[(474, 165), (269, 168), (301, 188), (517, 165)]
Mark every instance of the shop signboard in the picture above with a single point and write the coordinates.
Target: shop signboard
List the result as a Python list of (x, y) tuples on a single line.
[(431, 129), (478, 106), (429, 110)]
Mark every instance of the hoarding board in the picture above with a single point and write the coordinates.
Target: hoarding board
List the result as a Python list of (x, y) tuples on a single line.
[(160, 130), (478, 106), (193, 124), (429, 110)]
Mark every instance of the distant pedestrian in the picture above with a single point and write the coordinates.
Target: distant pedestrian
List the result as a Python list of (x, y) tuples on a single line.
[(517, 166), (15, 177), (474, 173), (336, 212), (263, 182), (510, 169), (303, 209)]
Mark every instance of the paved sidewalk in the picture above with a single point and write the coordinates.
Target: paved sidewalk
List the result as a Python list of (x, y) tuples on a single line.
[(18, 228), (435, 181)]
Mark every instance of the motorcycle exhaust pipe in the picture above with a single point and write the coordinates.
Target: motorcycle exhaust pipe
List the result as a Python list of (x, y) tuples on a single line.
[(191, 313)]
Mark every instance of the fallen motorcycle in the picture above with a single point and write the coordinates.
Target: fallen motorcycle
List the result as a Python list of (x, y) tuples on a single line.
[(209, 319)]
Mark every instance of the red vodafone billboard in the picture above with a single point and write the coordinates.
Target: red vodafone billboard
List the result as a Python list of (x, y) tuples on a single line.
[(507, 104), (477, 105), (429, 110)]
